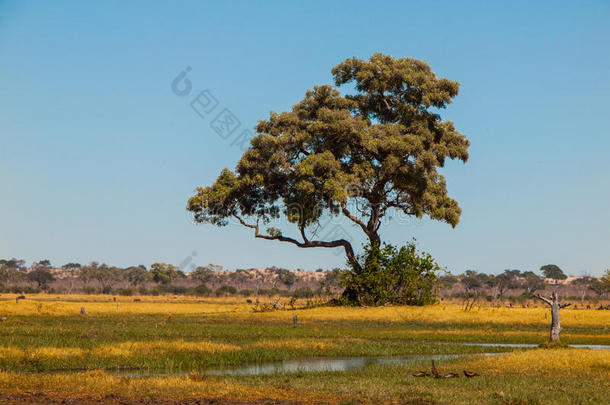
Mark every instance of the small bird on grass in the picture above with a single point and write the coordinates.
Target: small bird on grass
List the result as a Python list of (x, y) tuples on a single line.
[(450, 375), (470, 374), (421, 374)]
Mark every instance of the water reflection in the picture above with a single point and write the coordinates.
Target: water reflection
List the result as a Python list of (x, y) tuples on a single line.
[(531, 345), (337, 364), (324, 364)]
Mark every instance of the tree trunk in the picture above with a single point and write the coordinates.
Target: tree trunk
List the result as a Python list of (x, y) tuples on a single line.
[(555, 322), (555, 304), (374, 239)]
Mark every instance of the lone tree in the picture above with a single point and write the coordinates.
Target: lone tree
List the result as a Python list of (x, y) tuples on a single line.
[(41, 276), (555, 304), (137, 275), (164, 273), (358, 156), (41, 273), (553, 271)]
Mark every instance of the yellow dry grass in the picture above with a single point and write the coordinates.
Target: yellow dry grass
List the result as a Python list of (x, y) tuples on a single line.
[(542, 362), (444, 320), (69, 305), (137, 349), (97, 385), (295, 344), (126, 350), (121, 350), (452, 314)]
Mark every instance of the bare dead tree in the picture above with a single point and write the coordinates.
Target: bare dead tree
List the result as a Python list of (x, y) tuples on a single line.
[(555, 304)]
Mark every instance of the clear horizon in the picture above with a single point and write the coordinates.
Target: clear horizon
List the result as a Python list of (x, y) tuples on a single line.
[(99, 155)]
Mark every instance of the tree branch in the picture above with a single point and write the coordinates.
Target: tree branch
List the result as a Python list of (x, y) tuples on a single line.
[(302, 229), (349, 251), (352, 217), (541, 298)]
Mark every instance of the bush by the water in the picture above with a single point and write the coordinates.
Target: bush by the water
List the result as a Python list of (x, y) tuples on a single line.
[(392, 276)]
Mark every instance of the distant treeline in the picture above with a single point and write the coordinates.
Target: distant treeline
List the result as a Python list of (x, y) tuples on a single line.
[(516, 285), (212, 280)]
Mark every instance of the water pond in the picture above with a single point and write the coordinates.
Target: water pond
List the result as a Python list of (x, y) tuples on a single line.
[(333, 364)]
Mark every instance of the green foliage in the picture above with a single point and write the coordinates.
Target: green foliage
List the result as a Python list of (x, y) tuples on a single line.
[(506, 281), (137, 275), (173, 289), (125, 291), (380, 149), (448, 280), (471, 281), (202, 290), (164, 273), (203, 274), (287, 277), (390, 275), (601, 285), (532, 282), (598, 287), (554, 345), (332, 280), (225, 290), (90, 290), (41, 276), (101, 273), (10, 274), (303, 292), (240, 276), (553, 271), (17, 264), (513, 273)]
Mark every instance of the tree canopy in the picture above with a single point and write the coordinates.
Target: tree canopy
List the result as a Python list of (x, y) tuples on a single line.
[(164, 273), (41, 276), (137, 275), (358, 156), (553, 271)]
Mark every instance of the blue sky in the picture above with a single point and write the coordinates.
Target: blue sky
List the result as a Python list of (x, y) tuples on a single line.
[(98, 156)]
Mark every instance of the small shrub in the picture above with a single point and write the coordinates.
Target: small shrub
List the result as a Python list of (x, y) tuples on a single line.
[(201, 290), (172, 289), (225, 290), (554, 345), (125, 291), (388, 275), (303, 292)]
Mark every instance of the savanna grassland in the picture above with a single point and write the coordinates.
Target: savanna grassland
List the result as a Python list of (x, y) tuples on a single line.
[(158, 349)]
